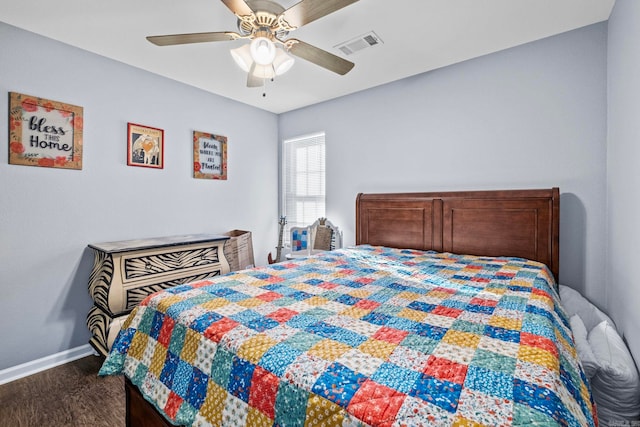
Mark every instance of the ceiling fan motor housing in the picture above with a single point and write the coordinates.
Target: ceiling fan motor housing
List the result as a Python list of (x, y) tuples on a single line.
[(265, 19)]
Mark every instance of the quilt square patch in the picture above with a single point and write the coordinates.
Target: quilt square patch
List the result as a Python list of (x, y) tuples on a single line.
[(421, 344), (429, 331), (416, 412), (489, 382), (261, 324), (123, 340), (190, 346), (462, 339), (255, 347), (443, 310), (443, 394), (181, 378), (164, 336), (173, 405), (169, 369), (305, 370), (377, 348), (376, 404), (421, 306), (282, 315), (235, 411), (322, 412), (197, 388), (201, 323), (538, 356), (258, 419), (156, 325), (177, 338), (278, 358), (484, 409), (409, 358), (329, 349), (502, 334), (543, 399), (505, 348), (303, 341), (157, 360), (221, 367), (390, 335), (396, 377), (338, 384), (360, 362), (216, 330), (264, 389), (445, 369), (494, 361), (240, 378), (291, 406)]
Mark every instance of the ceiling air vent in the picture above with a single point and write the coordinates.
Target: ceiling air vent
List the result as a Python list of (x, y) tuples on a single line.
[(364, 41)]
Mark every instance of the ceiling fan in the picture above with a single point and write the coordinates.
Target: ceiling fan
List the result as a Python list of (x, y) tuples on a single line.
[(266, 24)]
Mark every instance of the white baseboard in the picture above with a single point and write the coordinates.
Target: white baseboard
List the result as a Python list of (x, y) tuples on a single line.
[(47, 362)]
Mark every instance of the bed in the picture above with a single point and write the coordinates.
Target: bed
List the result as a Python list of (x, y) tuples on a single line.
[(444, 313)]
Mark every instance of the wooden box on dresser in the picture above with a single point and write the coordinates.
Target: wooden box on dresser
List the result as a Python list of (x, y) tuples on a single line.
[(125, 272)]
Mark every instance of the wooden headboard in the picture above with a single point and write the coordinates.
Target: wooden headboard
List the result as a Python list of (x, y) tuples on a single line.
[(520, 223)]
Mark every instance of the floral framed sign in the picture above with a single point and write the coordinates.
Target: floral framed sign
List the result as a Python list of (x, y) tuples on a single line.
[(209, 156), (145, 146), (44, 133)]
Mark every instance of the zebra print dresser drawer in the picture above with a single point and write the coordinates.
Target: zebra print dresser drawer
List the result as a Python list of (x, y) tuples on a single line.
[(125, 272), (145, 265)]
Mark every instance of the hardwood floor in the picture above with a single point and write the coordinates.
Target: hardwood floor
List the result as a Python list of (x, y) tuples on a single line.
[(68, 395)]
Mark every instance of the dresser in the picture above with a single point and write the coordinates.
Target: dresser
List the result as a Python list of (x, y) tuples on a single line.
[(125, 272)]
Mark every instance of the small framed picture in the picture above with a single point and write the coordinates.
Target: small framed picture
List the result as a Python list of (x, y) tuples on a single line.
[(44, 133), (209, 156), (145, 146)]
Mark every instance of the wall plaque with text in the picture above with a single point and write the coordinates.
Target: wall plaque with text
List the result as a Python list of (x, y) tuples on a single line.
[(44, 133), (209, 156)]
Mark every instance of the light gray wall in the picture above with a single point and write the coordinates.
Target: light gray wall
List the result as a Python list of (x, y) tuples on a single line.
[(530, 117), (623, 163), (533, 116), (48, 216)]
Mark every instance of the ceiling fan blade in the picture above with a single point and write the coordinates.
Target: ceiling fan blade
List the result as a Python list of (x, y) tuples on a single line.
[(309, 10), (253, 81), (320, 57), (172, 39), (238, 7)]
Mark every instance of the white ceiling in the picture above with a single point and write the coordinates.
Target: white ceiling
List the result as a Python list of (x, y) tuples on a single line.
[(418, 36)]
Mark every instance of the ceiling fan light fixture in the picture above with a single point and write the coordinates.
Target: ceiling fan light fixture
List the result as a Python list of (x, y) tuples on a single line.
[(263, 71), (263, 51), (282, 62), (242, 57)]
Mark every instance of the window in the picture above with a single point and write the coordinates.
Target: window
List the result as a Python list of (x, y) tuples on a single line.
[(303, 180)]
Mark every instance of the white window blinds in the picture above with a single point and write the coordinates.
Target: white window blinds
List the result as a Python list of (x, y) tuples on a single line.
[(303, 180)]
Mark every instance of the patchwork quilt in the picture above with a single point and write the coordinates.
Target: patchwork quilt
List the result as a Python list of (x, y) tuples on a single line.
[(363, 336)]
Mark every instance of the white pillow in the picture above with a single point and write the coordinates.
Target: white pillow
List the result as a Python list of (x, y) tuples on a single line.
[(616, 385), (574, 303), (588, 359)]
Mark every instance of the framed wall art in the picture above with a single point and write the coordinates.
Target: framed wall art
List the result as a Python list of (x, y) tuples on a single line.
[(145, 146), (44, 133), (209, 156)]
